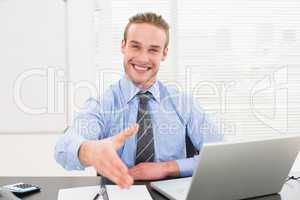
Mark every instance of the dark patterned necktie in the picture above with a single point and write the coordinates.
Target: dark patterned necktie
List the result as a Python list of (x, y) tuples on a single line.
[(145, 142)]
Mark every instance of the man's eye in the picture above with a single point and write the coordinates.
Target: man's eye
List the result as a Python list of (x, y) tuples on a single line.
[(154, 50), (135, 47)]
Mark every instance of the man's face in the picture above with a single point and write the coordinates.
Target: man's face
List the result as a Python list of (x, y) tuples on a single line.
[(143, 51)]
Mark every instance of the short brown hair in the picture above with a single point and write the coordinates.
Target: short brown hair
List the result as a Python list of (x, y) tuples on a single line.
[(149, 18)]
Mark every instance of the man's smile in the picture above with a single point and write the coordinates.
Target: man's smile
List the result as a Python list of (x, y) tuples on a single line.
[(140, 68)]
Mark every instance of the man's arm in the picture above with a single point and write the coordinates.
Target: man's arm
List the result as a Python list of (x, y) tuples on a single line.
[(200, 129), (154, 171), (88, 125), (66, 151), (84, 144), (162, 170)]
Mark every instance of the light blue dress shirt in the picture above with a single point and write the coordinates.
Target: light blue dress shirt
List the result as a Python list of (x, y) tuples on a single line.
[(173, 114)]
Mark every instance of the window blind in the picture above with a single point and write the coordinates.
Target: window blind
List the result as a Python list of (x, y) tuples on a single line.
[(242, 62)]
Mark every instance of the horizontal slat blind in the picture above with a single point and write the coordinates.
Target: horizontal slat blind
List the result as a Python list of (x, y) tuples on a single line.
[(241, 60)]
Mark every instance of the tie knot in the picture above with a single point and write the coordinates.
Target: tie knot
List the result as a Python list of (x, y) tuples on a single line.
[(144, 96)]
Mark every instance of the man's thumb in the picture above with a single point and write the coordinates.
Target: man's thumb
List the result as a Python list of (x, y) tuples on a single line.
[(118, 140)]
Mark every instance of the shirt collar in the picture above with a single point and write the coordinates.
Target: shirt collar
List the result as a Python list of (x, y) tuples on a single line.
[(129, 90)]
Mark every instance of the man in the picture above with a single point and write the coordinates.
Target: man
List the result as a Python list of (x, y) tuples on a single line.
[(158, 117)]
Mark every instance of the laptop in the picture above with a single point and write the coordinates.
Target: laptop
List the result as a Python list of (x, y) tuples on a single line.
[(236, 170)]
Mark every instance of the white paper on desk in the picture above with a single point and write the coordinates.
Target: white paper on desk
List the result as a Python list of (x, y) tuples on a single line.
[(78, 193), (136, 192)]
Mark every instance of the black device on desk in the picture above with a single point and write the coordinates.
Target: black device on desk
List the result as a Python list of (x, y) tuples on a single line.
[(22, 188)]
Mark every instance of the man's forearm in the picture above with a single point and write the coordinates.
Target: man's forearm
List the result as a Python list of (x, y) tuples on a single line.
[(155, 171), (66, 151), (172, 168)]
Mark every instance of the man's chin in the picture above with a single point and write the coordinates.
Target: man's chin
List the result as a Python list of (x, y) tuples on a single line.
[(142, 83), (139, 82)]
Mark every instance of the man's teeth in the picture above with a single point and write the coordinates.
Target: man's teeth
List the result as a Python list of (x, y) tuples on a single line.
[(140, 68)]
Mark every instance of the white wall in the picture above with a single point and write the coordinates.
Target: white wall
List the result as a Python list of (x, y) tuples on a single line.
[(37, 48), (32, 50)]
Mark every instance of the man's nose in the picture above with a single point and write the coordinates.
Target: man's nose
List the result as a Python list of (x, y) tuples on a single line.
[(143, 57)]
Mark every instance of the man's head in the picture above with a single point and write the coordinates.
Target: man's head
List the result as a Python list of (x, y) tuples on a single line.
[(145, 45)]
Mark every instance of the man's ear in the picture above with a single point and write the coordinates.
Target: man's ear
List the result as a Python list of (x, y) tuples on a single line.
[(165, 53), (123, 44)]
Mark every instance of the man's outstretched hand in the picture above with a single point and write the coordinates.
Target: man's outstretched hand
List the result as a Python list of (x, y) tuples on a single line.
[(102, 155)]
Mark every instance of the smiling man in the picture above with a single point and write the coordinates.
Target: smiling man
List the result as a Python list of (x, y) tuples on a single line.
[(144, 47), (137, 130)]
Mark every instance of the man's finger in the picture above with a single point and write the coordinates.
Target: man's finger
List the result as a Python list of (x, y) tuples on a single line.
[(124, 180), (116, 161), (117, 177), (112, 174), (116, 171), (119, 139), (109, 173), (118, 168)]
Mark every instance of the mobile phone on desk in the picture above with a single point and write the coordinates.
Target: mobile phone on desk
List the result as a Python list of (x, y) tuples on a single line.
[(21, 189)]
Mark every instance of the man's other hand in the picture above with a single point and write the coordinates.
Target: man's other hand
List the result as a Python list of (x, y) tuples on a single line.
[(154, 171)]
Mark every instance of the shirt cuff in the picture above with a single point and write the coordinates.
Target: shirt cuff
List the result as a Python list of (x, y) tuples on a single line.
[(73, 149), (186, 166)]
